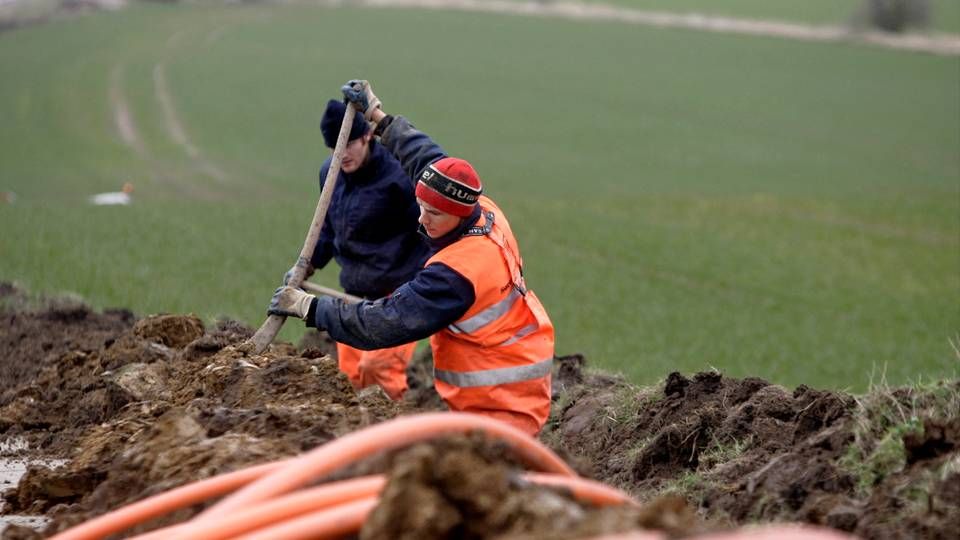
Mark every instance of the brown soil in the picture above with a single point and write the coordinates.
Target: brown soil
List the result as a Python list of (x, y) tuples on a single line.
[(745, 451), (141, 406)]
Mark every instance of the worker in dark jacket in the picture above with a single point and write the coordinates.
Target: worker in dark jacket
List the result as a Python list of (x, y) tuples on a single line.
[(371, 231), (492, 339)]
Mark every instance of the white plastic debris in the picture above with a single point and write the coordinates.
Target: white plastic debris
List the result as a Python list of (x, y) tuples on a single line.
[(113, 197)]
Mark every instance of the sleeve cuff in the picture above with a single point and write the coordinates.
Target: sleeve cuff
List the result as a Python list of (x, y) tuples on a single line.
[(311, 318), (382, 125)]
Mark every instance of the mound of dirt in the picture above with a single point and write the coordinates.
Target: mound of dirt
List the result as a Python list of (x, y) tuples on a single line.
[(137, 407), (140, 406), (161, 401), (746, 451), (468, 487), (33, 340)]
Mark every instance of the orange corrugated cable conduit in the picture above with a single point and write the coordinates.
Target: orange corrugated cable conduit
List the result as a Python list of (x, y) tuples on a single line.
[(387, 436), (327, 495), (261, 508), (166, 502)]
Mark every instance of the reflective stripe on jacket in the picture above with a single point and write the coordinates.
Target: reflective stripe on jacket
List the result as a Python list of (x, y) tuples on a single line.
[(496, 359)]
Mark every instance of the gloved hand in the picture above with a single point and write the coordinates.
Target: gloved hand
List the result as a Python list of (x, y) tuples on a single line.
[(359, 92), (290, 302), (289, 274)]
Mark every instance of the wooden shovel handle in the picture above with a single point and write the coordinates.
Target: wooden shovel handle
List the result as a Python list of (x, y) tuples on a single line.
[(269, 329), (320, 289)]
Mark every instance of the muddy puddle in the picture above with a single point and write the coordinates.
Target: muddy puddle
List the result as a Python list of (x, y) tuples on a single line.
[(11, 471), (134, 406)]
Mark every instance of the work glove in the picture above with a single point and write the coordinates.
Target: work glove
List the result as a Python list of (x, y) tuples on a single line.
[(290, 302), (359, 92), (289, 274)]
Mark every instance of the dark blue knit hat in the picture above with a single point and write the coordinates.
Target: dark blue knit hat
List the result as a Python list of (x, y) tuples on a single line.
[(333, 117)]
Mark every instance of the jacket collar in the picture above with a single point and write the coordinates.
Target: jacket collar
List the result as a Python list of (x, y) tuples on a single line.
[(436, 244)]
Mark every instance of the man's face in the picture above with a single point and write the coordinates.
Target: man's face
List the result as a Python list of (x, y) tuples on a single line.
[(355, 154), (436, 222)]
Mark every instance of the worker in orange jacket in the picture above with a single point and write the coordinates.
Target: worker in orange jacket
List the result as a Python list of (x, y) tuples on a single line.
[(492, 340)]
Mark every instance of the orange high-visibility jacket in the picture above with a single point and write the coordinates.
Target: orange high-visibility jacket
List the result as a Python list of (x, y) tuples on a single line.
[(496, 359)]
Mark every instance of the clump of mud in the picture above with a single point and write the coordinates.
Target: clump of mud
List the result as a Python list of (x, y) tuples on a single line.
[(471, 488), (139, 406)]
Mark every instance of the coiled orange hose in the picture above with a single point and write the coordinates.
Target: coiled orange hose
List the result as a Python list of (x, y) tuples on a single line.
[(280, 509), (327, 495), (386, 436), (260, 506), (166, 502), (328, 523), (583, 489)]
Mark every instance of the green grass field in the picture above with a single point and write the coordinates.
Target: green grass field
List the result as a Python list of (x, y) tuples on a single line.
[(683, 200), (944, 14)]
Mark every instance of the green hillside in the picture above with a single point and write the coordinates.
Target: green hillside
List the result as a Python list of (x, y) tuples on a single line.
[(683, 200)]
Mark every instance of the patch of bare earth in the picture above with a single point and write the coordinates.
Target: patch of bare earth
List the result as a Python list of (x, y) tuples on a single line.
[(746, 451), (139, 406)]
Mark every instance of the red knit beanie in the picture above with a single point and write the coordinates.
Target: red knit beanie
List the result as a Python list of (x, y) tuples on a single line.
[(450, 185)]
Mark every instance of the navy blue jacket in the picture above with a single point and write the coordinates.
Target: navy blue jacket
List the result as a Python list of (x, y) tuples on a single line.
[(435, 298), (371, 227)]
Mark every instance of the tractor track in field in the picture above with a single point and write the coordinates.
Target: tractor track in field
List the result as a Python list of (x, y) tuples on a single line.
[(175, 127), (934, 43), (176, 132), (122, 118), (129, 134)]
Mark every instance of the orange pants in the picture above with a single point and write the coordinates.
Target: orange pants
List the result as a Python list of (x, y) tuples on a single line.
[(384, 367)]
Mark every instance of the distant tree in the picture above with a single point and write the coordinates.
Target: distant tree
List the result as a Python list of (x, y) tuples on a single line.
[(898, 15)]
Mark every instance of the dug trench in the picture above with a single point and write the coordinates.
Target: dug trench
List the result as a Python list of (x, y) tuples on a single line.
[(137, 406)]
